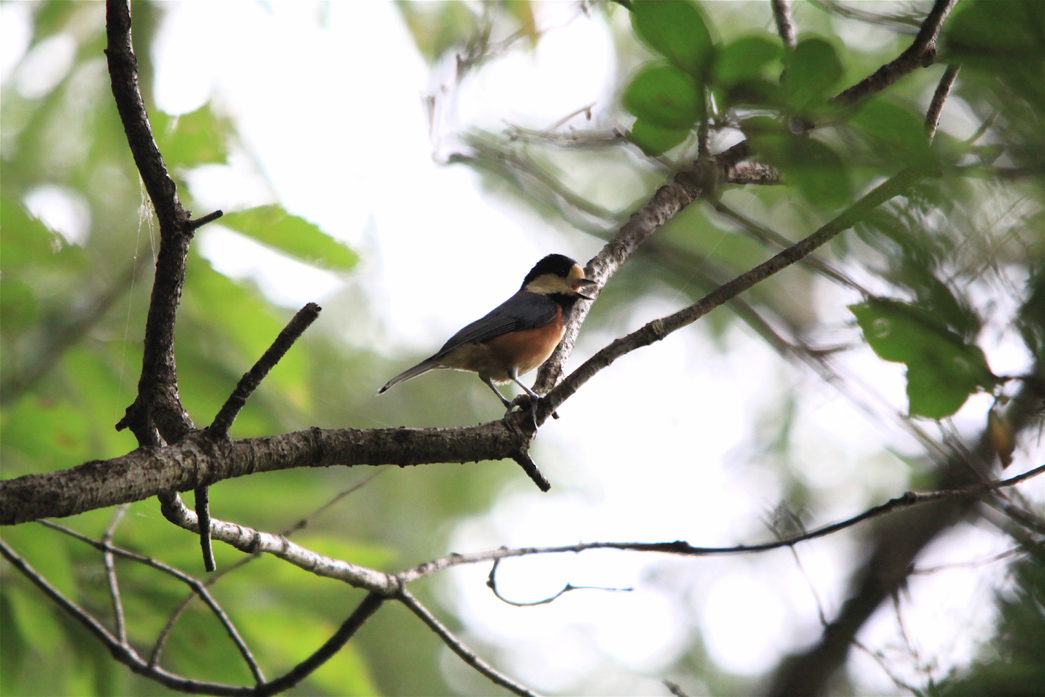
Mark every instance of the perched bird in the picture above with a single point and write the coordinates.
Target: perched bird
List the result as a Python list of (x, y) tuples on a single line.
[(518, 335)]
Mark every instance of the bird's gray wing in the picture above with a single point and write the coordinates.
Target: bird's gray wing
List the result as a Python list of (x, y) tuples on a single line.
[(524, 310)]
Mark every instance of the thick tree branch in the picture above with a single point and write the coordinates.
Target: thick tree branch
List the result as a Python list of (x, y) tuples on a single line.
[(199, 460)]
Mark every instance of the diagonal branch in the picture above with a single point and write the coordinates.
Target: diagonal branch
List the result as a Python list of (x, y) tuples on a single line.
[(932, 116), (219, 429), (455, 645), (364, 611), (122, 653), (919, 54), (660, 328), (250, 380)]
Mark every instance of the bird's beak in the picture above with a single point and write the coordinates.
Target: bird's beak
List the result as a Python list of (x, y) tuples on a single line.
[(583, 283)]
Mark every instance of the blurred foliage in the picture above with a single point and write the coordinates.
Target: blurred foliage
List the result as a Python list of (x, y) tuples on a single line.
[(966, 240), (1011, 664)]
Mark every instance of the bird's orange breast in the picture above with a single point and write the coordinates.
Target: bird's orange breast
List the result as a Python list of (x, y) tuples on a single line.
[(526, 349)]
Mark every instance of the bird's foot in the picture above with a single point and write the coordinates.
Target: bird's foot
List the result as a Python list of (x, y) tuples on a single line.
[(522, 401)]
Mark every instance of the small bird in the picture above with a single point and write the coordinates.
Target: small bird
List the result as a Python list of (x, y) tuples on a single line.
[(518, 335)]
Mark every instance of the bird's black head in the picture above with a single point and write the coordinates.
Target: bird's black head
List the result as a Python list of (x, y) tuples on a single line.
[(555, 264), (557, 275)]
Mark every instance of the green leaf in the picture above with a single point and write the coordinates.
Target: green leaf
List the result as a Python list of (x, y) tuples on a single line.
[(191, 139), (811, 70), (23, 238), (817, 171), (296, 237), (676, 30), (895, 132), (664, 96), (1009, 45), (942, 370), (745, 59), (438, 27), (655, 140)]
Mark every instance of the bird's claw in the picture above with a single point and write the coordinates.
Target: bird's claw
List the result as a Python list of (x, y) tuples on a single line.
[(520, 401)]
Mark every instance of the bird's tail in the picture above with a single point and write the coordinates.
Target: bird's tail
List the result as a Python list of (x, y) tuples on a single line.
[(420, 368)]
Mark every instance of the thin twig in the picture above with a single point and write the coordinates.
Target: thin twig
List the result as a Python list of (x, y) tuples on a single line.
[(769, 236), (932, 116), (364, 611), (900, 23), (67, 334), (682, 548), (122, 653), (455, 645), (250, 380), (491, 583), (201, 502), (193, 583), (526, 462), (209, 218), (110, 573), (973, 563)]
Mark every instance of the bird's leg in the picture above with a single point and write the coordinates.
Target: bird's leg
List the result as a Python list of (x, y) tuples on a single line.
[(509, 405), (534, 397), (504, 401)]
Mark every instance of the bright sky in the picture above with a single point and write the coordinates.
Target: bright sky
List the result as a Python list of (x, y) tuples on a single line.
[(332, 110)]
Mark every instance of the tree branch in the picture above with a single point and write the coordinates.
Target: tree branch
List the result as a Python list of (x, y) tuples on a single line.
[(158, 405), (252, 379), (660, 328), (782, 15), (198, 460), (932, 116), (366, 609), (909, 499), (120, 652), (919, 54), (455, 645), (197, 588)]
